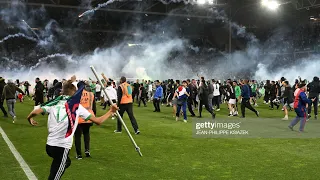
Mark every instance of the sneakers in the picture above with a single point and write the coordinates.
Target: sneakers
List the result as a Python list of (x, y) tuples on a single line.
[(185, 121), (316, 117), (230, 115), (79, 157), (213, 115), (177, 118), (137, 132), (113, 118), (116, 131), (87, 153), (285, 119), (14, 118), (218, 110), (290, 127), (257, 113)]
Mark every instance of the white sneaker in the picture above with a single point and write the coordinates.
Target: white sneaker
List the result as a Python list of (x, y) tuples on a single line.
[(285, 119), (218, 110), (185, 121), (256, 105), (177, 118), (113, 118), (14, 118)]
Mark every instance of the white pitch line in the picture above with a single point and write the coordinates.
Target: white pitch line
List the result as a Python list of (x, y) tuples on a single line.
[(18, 157)]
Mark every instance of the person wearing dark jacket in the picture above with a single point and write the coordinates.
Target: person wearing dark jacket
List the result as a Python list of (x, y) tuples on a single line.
[(2, 84), (267, 88), (203, 96), (142, 95), (38, 92), (273, 94), (245, 99), (190, 98), (27, 85), (9, 94), (125, 101), (314, 90), (287, 99)]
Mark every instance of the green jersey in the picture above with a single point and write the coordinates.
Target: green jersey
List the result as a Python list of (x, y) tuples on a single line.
[(237, 91), (254, 88)]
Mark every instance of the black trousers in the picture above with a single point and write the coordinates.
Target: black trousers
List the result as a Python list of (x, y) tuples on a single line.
[(3, 109), (189, 103), (127, 108), (216, 102), (27, 92), (266, 97), (60, 163), (245, 103), (84, 129), (143, 99), (206, 104), (38, 101), (156, 104), (272, 97), (135, 95), (315, 105)]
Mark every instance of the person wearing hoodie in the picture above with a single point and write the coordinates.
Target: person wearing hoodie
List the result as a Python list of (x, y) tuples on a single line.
[(2, 84), (314, 90), (9, 94), (157, 96), (300, 103)]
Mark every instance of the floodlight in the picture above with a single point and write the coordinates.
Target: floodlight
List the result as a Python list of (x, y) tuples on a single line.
[(273, 5), (201, 2), (264, 2)]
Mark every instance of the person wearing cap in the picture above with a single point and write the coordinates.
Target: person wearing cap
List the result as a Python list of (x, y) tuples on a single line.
[(300, 103), (2, 84), (9, 94)]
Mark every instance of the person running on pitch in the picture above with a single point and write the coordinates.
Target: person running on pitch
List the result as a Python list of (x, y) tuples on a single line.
[(300, 103), (245, 99), (124, 95), (61, 127), (87, 101)]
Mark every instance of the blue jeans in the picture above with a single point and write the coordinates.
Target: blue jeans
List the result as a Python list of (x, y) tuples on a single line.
[(302, 117), (184, 109), (10, 104)]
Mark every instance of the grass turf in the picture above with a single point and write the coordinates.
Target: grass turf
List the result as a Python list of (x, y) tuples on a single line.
[(169, 149)]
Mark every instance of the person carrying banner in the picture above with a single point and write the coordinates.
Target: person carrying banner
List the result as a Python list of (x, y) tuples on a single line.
[(62, 123)]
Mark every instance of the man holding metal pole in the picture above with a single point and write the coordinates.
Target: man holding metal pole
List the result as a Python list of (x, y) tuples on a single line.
[(118, 114)]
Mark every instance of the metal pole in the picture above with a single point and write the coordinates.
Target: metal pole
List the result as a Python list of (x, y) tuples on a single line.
[(119, 117)]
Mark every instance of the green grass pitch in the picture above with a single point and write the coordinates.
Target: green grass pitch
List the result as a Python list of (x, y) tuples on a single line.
[(169, 149)]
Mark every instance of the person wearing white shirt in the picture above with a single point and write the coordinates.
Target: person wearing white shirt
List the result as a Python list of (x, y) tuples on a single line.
[(216, 94), (98, 91), (58, 143), (112, 94)]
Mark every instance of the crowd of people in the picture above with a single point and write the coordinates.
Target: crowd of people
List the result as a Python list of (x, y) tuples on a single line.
[(189, 94)]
